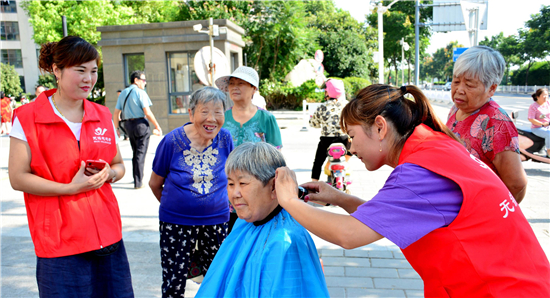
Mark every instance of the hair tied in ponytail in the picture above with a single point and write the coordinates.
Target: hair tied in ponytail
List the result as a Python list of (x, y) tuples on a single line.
[(403, 90)]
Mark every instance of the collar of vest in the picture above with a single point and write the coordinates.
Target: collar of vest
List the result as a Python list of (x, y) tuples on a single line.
[(44, 112), (422, 134)]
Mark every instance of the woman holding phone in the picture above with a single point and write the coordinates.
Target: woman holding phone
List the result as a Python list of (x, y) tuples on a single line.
[(73, 213)]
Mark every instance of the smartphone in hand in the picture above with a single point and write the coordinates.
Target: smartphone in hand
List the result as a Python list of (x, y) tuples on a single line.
[(94, 164)]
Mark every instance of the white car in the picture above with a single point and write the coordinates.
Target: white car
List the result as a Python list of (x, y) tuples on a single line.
[(447, 86)]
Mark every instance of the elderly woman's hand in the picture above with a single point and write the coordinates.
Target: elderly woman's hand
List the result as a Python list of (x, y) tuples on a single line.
[(286, 186)]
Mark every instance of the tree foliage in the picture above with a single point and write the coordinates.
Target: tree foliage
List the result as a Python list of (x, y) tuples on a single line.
[(441, 64), (509, 47), (9, 80)]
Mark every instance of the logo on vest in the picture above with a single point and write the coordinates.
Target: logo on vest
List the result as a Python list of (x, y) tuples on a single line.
[(481, 164), (99, 136), (505, 205)]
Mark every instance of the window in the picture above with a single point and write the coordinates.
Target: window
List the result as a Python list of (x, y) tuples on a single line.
[(8, 6), (22, 82), (182, 81), (132, 62), (9, 31), (12, 57), (234, 61)]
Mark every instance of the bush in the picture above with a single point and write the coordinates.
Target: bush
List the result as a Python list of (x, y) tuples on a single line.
[(354, 84), (285, 96)]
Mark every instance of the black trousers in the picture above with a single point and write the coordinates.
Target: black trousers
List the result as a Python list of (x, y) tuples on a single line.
[(139, 134), (321, 154)]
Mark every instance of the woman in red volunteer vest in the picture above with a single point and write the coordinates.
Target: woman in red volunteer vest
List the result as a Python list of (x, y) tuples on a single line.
[(454, 219), (73, 214)]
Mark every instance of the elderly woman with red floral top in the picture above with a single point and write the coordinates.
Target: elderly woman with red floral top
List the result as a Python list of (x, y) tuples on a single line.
[(480, 123)]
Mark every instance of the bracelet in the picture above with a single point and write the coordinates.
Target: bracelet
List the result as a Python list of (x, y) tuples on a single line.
[(114, 177)]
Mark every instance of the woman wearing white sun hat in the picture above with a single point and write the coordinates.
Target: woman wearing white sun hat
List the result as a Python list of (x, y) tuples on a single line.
[(245, 121)]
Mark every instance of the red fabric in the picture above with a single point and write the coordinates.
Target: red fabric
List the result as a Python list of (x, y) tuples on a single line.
[(486, 132), (72, 224), (489, 250), (6, 109)]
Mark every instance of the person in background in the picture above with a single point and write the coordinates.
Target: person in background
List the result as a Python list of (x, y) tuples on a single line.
[(268, 253), (327, 117), (454, 219), (74, 217), (39, 89), (485, 129), (121, 130), (258, 100), (24, 100), (133, 103), (539, 116), (245, 121), (6, 114), (189, 181)]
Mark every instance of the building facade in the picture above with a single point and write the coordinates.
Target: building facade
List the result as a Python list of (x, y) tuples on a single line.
[(166, 52), (17, 46)]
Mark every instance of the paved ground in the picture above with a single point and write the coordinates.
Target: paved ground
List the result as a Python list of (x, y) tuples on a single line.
[(376, 270)]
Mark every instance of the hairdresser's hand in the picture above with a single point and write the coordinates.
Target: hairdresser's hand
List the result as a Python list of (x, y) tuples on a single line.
[(286, 187), (321, 193)]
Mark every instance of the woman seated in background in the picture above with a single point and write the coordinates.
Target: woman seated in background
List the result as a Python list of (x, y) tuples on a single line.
[(268, 253), (539, 116)]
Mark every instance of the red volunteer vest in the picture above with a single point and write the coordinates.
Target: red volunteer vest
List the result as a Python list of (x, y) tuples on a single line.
[(72, 224), (489, 250)]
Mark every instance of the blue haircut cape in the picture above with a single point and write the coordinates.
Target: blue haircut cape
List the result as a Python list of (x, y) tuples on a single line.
[(275, 259)]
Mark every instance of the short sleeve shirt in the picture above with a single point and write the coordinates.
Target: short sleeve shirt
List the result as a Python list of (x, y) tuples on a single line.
[(486, 132), (262, 127), (195, 185), (136, 102), (327, 117), (539, 112), (413, 202)]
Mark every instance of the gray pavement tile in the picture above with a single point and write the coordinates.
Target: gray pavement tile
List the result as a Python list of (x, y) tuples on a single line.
[(413, 293), (380, 254), (350, 282), (390, 263), (371, 272), (398, 283), (331, 252), (375, 293), (336, 292), (334, 270), (398, 255), (340, 261), (356, 253), (407, 273)]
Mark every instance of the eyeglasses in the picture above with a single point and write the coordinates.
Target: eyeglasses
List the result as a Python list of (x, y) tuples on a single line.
[(142, 79)]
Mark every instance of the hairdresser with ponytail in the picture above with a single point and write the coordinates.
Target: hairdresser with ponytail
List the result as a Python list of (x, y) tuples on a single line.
[(73, 213), (453, 218)]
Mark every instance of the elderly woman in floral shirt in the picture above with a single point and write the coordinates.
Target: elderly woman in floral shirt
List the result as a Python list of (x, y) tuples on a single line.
[(327, 117)]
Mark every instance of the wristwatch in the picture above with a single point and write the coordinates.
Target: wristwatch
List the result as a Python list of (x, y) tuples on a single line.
[(114, 177)]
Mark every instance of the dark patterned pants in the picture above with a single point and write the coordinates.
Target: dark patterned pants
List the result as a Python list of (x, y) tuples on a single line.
[(182, 245)]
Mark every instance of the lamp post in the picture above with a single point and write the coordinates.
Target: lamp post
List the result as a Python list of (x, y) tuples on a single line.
[(404, 47), (381, 10)]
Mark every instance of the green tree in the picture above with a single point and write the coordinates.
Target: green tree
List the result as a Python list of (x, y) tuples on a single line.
[(9, 80), (536, 37), (342, 39), (47, 80), (441, 64), (508, 47)]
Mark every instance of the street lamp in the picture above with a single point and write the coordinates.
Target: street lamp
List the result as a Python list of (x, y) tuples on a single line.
[(404, 47), (213, 30), (381, 10)]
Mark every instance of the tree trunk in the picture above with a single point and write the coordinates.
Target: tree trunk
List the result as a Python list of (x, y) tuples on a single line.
[(396, 72)]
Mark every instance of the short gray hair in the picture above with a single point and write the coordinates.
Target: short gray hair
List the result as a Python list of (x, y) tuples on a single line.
[(260, 160), (482, 63), (205, 95)]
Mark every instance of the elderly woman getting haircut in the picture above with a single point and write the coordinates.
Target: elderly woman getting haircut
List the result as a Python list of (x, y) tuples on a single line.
[(268, 253)]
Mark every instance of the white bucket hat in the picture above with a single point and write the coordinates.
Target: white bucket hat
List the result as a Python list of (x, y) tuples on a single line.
[(244, 73)]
